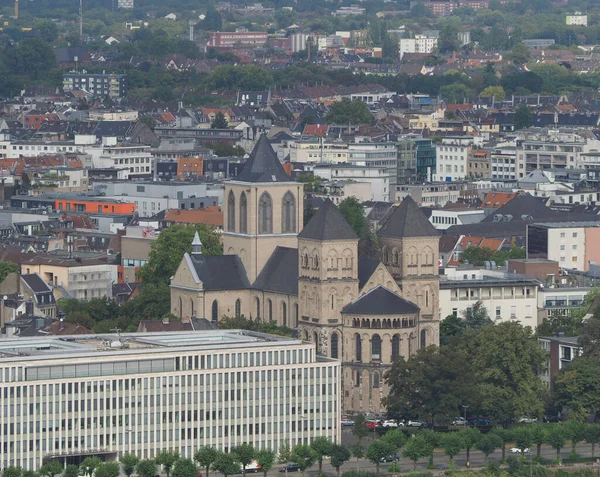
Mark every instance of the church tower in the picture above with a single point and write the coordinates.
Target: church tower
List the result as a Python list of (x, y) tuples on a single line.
[(327, 278), (263, 209), (410, 249)]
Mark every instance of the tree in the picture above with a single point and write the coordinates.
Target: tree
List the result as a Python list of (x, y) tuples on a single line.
[(146, 468), (505, 436), (223, 149), (322, 447), (168, 250), (577, 385), (360, 429), (576, 433), (185, 468), (477, 316), (285, 454), (212, 20), (470, 437), (304, 456), (452, 443), (6, 268), (244, 454), (129, 461), (70, 471), (520, 54), (226, 464), (378, 450), (354, 213), (448, 39), (167, 459), (48, 29), (107, 469), (89, 464), (358, 452), (339, 456), (395, 437), (451, 326), (556, 437), (220, 121), (265, 458), (489, 443), (349, 112), (12, 471), (523, 437), (434, 439), (538, 437), (205, 456), (51, 468), (506, 359), (496, 92), (523, 117), (592, 436), (432, 383), (416, 448)]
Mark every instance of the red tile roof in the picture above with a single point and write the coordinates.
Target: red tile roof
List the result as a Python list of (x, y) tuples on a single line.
[(495, 200)]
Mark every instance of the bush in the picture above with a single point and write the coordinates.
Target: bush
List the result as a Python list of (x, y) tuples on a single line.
[(359, 473), (420, 473)]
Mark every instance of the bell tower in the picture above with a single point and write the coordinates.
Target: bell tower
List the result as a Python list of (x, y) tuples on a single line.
[(263, 207)]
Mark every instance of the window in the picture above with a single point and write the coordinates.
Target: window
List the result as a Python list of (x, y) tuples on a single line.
[(395, 347), (573, 259), (231, 212), (265, 214), (376, 379), (238, 308), (270, 309), (243, 214), (215, 311), (334, 345), (376, 348), (562, 235), (257, 308), (296, 315), (498, 312), (513, 311), (358, 347), (283, 313), (288, 215), (574, 234), (562, 247), (423, 338), (574, 247)]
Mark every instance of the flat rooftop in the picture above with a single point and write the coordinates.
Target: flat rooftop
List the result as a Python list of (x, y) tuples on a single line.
[(25, 349)]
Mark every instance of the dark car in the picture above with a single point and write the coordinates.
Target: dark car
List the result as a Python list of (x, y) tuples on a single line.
[(290, 468), (551, 419), (479, 422), (390, 458)]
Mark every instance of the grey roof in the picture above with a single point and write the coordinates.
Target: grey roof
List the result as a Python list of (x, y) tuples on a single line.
[(520, 205), (328, 224), (36, 283), (407, 220), (220, 272), (366, 268), (380, 301), (263, 165), (280, 273)]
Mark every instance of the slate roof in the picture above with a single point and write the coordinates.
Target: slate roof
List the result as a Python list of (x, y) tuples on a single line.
[(280, 273), (328, 224), (407, 220), (35, 282), (366, 268), (220, 272), (380, 301), (263, 165), (522, 204)]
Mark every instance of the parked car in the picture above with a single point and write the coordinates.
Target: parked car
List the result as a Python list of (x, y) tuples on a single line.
[(347, 422), (415, 423), (290, 468), (391, 423), (390, 458), (516, 450), (372, 423), (459, 421), (253, 467), (551, 419), (482, 421), (528, 420)]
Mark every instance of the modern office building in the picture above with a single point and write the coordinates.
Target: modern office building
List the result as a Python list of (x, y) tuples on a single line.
[(416, 160), (71, 397)]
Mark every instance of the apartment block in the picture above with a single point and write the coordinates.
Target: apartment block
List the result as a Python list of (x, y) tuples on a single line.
[(99, 85), (75, 396), (453, 156)]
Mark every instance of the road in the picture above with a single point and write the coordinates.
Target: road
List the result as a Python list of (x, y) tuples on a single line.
[(439, 459)]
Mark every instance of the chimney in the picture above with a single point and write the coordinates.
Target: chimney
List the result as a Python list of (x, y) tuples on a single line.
[(185, 319), (165, 320)]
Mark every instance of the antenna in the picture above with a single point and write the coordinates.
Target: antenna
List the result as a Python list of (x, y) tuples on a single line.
[(81, 20)]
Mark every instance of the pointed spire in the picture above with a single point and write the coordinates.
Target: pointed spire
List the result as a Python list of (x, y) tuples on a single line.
[(263, 165), (328, 224), (407, 220), (196, 245)]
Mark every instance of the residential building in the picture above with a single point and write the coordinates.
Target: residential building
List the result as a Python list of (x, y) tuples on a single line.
[(144, 393), (416, 160), (561, 351), (73, 202), (432, 194), (559, 301), (135, 249), (10, 149), (539, 43), (99, 85), (574, 245), (240, 37), (134, 158), (577, 19), (549, 151), (378, 177), (453, 156), (505, 297), (443, 219), (307, 151), (479, 165), (337, 191), (418, 44), (381, 155), (503, 163)]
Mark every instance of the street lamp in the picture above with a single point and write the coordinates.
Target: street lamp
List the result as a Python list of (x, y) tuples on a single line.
[(465, 407)]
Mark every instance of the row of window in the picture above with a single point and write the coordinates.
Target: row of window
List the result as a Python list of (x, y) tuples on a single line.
[(265, 213)]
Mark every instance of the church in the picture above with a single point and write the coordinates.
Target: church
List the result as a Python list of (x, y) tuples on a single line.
[(365, 312)]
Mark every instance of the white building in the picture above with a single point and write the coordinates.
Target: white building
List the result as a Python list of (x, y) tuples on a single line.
[(418, 44), (67, 398), (443, 219), (577, 19), (452, 157), (136, 158), (504, 160), (505, 297), (377, 176), (37, 148)]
